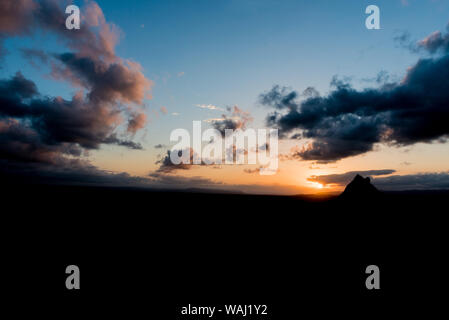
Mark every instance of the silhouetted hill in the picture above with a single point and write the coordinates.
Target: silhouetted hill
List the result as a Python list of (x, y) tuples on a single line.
[(360, 188), (196, 236)]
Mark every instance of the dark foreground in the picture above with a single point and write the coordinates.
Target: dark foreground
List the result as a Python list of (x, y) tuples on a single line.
[(148, 253)]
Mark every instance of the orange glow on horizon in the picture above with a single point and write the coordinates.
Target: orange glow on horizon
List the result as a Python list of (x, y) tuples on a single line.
[(316, 185)]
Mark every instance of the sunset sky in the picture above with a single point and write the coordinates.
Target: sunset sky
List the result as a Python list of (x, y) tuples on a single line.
[(97, 105)]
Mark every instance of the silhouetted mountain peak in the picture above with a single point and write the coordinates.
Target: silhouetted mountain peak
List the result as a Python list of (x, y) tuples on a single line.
[(360, 187)]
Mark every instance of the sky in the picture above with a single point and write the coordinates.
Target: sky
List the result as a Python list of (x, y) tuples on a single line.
[(98, 104)]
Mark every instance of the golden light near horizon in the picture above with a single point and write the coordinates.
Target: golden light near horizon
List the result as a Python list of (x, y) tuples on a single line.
[(316, 185), (318, 145)]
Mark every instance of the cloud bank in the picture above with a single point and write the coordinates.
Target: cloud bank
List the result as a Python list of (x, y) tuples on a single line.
[(343, 179), (349, 122), (40, 130), (420, 181)]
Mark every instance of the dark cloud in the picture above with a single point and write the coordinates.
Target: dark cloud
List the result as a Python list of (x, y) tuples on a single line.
[(237, 119), (67, 172), (112, 139), (173, 181), (348, 122), (162, 180), (343, 179), (423, 181), (296, 136), (20, 143), (80, 172), (42, 131), (13, 94), (56, 120), (107, 82), (167, 166)]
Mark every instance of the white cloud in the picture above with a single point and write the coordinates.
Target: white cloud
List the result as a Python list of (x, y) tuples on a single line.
[(209, 107), (213, 120)]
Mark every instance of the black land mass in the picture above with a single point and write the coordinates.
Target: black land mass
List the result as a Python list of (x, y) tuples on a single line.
[(193, 245)]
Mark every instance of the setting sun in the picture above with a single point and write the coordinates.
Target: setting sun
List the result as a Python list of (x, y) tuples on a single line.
[(316, 185)]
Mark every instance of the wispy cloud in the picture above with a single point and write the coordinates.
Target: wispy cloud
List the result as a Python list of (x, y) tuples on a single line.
[(209, 107), (211, 120)]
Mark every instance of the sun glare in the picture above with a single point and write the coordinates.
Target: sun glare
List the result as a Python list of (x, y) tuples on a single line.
[(316, 185)]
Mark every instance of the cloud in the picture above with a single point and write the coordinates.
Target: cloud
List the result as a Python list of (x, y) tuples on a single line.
[(15, 18), (38, 130), (96, 38), (212, 120), (56, 120), (116, 82), (434, 42), (22, 144), (171, 181), (209, 107), (422, 181), (35, 54), (238, 119), (251, 171), (258, 170), (381, 78), (403, 39), (167, 166), (68, 172), (112, 139), (160, 146), (136, 122), (343, 179), (348, 122)]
